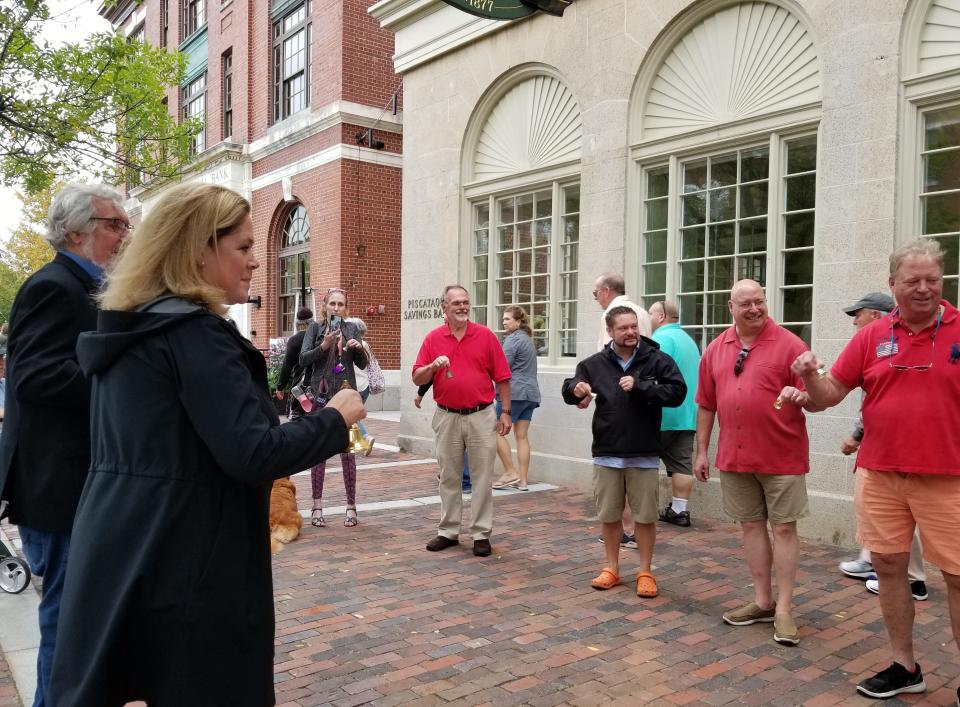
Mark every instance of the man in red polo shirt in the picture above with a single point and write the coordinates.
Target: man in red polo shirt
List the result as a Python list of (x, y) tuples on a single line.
[(908, 464), (464, 360), (746, 381)]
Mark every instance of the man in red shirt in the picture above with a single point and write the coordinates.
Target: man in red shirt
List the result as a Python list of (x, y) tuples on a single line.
[(762, 454), (908, 464), (464, 360)]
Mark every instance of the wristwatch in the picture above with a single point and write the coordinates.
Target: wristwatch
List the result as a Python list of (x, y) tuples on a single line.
[(504, 412)]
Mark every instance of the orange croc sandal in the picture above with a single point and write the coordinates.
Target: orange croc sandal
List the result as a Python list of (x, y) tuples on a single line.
[(607, 579), (646, 585)]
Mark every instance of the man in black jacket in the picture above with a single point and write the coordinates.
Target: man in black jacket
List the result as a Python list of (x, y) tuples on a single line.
[(631, 381), (45, 447)]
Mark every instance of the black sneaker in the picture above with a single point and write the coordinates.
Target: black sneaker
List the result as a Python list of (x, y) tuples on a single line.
[(919, 591), (668, 515), (441, 543), (625, 541), (893, 681)]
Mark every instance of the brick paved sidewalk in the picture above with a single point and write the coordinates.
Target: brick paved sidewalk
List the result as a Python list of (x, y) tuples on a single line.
[(8, 691), (366, 615)]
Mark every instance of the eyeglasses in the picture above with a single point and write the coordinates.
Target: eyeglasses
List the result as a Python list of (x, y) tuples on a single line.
[(741, 359), (117, 225), (933, 344), (598, 290)]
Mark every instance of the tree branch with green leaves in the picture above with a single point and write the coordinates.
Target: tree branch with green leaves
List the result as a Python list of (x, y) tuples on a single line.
[(93, 108)]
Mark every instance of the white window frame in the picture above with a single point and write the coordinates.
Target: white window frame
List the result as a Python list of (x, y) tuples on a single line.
[(192, 96), (280, 35), (555, 175), (518, 187), (292, 253), (922, 91), (674, 153)]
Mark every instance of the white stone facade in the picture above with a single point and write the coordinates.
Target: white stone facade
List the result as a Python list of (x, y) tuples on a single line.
[(877, 66)]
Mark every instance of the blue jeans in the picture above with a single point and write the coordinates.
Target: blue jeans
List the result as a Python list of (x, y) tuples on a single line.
[(364, 394), (466, 472), (47, 556)]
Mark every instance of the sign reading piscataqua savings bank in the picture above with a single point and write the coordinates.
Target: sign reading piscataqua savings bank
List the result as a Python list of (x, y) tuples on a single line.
[(494, 9), (423, 308)]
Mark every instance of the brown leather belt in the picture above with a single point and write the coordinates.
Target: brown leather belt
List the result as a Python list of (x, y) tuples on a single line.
[(465, 411)]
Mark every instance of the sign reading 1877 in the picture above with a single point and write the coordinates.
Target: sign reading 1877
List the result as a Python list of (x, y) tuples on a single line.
[(494, 9), (510, 9)]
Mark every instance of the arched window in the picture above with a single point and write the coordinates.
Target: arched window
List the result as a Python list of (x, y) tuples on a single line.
[(294, 267), (930, 145), (522, 184), (723, 126)]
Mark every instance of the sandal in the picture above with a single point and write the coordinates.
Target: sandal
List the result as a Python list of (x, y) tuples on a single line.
[(646, 585), (507, 483), (350, 521), (316, 518), (607, 579)]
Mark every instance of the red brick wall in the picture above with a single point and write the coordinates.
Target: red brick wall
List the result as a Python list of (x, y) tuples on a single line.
[(351, 60), (368, 75), (331, 197), (370, 203)]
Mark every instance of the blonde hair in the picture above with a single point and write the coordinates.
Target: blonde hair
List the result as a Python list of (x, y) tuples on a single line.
[(165, 255)]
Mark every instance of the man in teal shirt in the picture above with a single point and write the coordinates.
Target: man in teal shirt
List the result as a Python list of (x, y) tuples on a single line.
[(678, 425)]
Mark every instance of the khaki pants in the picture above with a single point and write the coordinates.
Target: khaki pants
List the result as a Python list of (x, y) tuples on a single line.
[(477, 434)]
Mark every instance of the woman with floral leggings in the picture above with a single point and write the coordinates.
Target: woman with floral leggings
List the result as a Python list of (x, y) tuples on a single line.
[(333, 347)]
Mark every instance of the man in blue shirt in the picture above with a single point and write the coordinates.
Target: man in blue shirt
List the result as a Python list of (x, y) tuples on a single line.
[(678, 425)]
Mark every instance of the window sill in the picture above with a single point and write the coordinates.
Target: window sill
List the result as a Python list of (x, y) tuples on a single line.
[(196, 36)]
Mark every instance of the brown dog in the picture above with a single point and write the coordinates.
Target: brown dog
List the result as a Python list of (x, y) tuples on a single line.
[(285, 520)]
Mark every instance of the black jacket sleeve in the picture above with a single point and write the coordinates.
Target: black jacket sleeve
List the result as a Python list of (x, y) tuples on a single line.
[(310, 352), (422, 390), (291, 360), (581, 374), (230, 419), (45, 338), (663, 386)]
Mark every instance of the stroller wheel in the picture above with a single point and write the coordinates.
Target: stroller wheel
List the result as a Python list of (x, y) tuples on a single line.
[(14, 575)]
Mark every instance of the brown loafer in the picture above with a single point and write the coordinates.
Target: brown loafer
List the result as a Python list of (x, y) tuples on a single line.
[(481, 548), (441, 543)]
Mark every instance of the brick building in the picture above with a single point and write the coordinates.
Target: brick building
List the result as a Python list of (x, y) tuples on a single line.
[(301, 108)]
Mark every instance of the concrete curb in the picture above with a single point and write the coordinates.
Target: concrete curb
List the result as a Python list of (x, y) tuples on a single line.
[(20, 635)]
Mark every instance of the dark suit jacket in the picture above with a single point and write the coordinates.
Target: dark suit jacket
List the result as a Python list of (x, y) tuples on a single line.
[(45, 446)]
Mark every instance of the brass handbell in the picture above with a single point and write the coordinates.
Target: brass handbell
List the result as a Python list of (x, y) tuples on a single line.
[(358, 445)]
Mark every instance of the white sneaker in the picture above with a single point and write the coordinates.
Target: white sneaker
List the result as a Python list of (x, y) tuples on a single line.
[(858, 569), (918, 589)]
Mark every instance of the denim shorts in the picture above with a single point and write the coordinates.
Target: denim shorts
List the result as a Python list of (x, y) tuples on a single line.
[(519, 410)]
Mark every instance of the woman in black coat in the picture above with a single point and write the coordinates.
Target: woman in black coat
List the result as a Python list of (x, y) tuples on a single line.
[(169, 595), (333, 347)]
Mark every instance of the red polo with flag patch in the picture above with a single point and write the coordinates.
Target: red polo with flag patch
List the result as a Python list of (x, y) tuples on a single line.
[(910, 411), (476, 363)]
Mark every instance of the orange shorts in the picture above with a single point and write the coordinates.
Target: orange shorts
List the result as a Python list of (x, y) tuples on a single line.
[(889, 504)]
